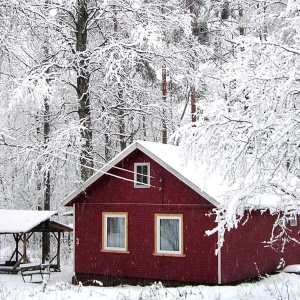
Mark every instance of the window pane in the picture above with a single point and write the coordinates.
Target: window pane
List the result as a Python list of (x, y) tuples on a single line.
[(116, 232), (169, 234), (142, 174), (293, 220)]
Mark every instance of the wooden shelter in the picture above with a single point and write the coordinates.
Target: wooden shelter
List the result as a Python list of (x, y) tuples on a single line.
[(22, 224)]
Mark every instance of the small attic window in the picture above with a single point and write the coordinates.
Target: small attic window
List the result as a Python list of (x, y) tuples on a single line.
[(293, 220), (142, 175)]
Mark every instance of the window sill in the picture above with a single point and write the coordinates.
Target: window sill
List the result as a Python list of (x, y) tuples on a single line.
[(168, 254), (114, 251), (145, 186)]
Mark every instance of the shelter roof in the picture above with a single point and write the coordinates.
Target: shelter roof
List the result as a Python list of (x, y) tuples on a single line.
[(52, 226), (19, 221)]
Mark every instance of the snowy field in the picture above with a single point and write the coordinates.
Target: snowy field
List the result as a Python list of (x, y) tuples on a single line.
[(12, 287)]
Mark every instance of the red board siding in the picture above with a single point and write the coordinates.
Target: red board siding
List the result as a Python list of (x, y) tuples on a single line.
[(167, 195), (198, 265), (244, 255), (166, 188)]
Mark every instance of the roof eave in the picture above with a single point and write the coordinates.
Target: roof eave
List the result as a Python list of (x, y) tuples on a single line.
[(71, 197), (179, 176)]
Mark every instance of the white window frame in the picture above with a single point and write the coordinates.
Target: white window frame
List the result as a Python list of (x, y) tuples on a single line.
[(157, 219), (136, 185), (105, 216)]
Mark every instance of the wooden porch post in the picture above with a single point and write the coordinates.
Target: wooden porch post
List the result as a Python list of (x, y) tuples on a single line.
[(43, 248), (16, 238), (24, 247), (17, 247), (58, 250)]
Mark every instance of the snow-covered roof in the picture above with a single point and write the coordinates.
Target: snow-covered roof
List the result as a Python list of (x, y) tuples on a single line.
[(19, 221), (166, 155)]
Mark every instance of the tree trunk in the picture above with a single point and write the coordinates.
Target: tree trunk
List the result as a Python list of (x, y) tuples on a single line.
[(241, 28), (192, 88), (121, 120), (47, 183), (84, 107), (46, 133), (120, 99), (164, 98), (47, 193), (164, 95)]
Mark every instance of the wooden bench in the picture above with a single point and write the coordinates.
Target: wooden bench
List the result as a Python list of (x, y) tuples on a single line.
[(10, 267), (30, 269)]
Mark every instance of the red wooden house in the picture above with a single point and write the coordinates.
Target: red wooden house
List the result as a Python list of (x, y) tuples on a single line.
[(142, 218)]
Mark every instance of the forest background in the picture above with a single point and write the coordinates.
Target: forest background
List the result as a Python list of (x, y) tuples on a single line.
[(81, 79)]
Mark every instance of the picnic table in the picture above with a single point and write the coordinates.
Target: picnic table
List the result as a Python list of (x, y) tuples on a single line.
[(30, 269), (10, 267)]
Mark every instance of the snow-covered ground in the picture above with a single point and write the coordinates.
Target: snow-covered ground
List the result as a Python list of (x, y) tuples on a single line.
[(12, 287)]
